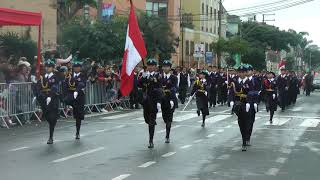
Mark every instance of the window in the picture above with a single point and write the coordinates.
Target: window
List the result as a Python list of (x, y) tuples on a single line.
[(156, 8), (191, 47), (202, 8), (215, 14), (187, 48), (210, 30), (202, 28), (206, 29), (207, 10), (207, 47), (211, 12)]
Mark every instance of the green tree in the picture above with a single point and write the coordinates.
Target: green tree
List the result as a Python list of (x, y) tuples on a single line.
[(158, 36), (13, 44)]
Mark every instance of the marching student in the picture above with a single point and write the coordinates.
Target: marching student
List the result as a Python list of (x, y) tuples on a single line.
[(169, 99), (269, 89), (200, 89), (150, 82)]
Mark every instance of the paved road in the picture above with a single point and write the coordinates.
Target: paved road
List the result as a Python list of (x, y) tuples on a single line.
[(114, 147)]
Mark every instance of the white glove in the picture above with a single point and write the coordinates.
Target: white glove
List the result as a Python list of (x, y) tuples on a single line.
[(177, 95), (273, 96), (247, 107), (206, 93), (34, 100), (231, 104), (75, 94), (255, 107), (171, 104), (159, 107), (226, 82), (48, 100), (145, 74)]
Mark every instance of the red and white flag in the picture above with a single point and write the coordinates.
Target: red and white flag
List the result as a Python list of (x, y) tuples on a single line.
[(135, 51), (282, 64)]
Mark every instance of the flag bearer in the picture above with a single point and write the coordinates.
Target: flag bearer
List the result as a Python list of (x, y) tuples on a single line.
[(150, 82)]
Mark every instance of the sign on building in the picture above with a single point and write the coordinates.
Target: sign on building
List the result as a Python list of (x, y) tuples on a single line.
[(209, 57), (199, 50)]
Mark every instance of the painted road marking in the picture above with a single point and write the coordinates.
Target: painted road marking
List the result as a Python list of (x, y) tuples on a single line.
[(78, 155), (210, 135), (220, 130), (173, 127), (121, 177), (281, 160), (216, 118), (229, 126), (121, 115), (278, 121), (18, 149), (168, 154), (272, 171), (224, 157), (198, 140), (186, 146), (147, 164), (296, 109), (285, 151), (310, 123), (185, 117)]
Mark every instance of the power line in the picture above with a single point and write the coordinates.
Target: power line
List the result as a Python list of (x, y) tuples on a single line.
[(260, 5)]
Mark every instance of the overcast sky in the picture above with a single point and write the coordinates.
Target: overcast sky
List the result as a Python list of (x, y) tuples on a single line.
[(304, 17)]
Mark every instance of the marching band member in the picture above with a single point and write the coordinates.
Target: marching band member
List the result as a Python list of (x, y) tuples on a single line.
[(201, 89)]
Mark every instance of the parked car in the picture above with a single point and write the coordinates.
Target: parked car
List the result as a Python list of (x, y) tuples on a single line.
[(316, 82)]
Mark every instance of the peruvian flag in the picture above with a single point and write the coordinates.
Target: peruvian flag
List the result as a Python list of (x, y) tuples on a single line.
[(282, 64), (134, 52)]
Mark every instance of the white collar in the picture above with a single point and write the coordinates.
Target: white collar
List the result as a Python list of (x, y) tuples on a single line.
[(76, 74), (271, 80), (283, 75), (167, 75), (152, 73), (203, 80), (250, 78), (242, 80), (49, 75)]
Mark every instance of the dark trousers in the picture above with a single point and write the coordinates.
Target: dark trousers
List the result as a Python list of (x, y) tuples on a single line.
[(283, 100), (183, 94), (251, 119), (213, 96), (243, 124), (50, 112)]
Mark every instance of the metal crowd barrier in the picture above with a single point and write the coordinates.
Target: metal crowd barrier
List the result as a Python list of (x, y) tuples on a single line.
[(16, 101)]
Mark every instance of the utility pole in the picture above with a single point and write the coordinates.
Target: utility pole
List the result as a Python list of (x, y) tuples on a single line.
[(310, 61), (219, 31), (182, 34)]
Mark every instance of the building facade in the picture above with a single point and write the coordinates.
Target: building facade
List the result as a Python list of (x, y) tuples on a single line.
[(203, 30)]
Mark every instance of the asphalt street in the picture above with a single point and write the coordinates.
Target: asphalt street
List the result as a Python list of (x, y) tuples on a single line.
[(113, 146)]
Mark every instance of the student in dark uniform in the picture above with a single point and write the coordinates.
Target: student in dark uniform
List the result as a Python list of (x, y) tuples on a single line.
[(169, 88), (184, 84), (283, 85), (252, 99), (241, 107), (150, 82), (201, 89), (134, 95), (47, 95), (293, 88), (74, 86), (231, 95), (269, 89), (213, 77)]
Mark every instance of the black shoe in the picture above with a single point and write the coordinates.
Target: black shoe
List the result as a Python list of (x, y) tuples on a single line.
[(271, 122), (77, 136), (198, 112), (50, 141), (244, 148), (203, 125), (167, 141), (151, 145)]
